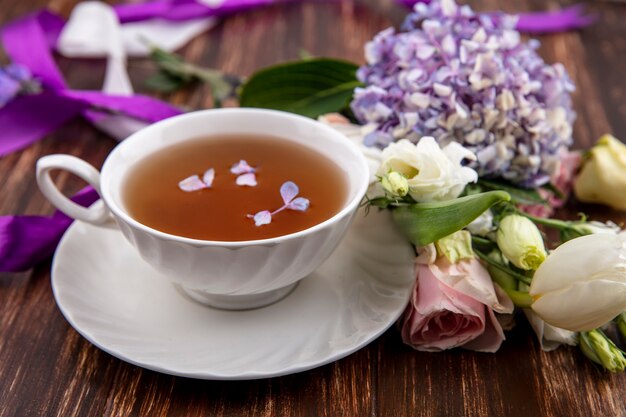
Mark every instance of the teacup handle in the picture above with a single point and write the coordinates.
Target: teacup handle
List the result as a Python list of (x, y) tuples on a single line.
[(97, 214)]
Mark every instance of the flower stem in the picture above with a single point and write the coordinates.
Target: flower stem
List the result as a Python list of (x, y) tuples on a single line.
[(554, 223), (482, 241), (516, 275), (520, 299)]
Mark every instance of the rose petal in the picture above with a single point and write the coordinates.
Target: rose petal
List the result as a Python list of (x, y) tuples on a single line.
[(491, 338), (208, 177), (242, 167), (247, 179), (289, 190), (262, 217), (299, 204), (472, 279), (192, 183), (439, 317)]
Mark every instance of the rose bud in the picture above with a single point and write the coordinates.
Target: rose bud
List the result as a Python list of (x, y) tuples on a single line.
[(395, 184), (456, 247), (603, 175), (520, 242), (600, 349), (582, 283)]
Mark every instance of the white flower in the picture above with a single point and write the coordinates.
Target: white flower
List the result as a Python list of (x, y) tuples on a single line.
[(602, 178), (434, 174), (520, 242), (582, 283), (549, 337), (482, 225)]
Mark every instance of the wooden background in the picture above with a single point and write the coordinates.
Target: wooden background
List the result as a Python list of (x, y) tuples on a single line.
[(46, 368)]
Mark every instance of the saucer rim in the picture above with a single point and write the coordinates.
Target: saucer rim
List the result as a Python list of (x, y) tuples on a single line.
[(208, 374)]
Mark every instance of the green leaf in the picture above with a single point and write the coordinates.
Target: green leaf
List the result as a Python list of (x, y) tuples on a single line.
[(309, 88), (518, 195), (424, 223), (164, 82)]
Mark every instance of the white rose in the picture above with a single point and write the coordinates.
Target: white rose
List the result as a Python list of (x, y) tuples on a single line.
[(582, 284), (550, 337), (602, 178), (482, 225), (434, 174)]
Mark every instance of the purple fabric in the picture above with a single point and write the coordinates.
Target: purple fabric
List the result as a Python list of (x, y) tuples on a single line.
[(137, 106), (179, 10), (27, 240), (566, 19), (569, 18), (27, 42), (26, 119)]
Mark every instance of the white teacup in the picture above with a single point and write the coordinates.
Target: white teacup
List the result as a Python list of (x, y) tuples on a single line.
[(230, 275)]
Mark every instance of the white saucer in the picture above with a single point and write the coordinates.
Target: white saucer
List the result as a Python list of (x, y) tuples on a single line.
[(120, 304)]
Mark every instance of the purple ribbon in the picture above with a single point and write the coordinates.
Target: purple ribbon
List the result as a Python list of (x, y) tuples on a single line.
[(27, 240), (569, 18), (180, 10), (28, 118)]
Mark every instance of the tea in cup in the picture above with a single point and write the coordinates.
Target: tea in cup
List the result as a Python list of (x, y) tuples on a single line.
[(234, 206)]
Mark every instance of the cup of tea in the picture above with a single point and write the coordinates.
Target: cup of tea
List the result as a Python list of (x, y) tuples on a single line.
[(228, 242)]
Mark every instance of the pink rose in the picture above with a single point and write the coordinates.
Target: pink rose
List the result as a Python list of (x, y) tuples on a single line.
[(453, 306), (539, 210)]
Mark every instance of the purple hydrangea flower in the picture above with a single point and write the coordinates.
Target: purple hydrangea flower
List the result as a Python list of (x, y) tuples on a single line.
[(460, 76), (245, 172), (288, 191), (18, 72), (16, 79), (248, 179), (194, 183), (9, 88)]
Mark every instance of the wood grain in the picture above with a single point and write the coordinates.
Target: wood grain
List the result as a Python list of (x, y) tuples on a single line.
[(47, 369)]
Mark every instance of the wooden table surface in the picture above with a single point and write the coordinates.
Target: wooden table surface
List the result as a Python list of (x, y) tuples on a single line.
[(47, 368)]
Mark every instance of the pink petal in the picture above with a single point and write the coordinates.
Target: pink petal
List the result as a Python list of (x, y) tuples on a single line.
[(208, 177), (439, 317), (491, 338), (299, 204), (262, 217), (247, 179), (242, 167), (537, 210), (192, 183), (289, 190), (470, 278)]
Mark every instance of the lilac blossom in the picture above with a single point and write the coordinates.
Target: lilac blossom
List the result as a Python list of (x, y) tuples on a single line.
[(194, 183), (16, 79), (465, 77), (248, 179), (288, 191), (245, 172), (9, 88)]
